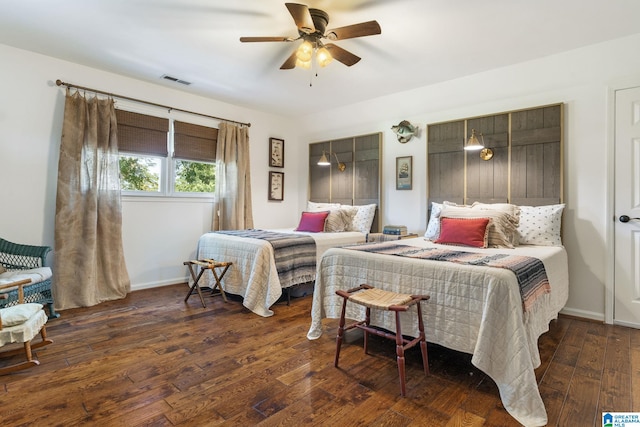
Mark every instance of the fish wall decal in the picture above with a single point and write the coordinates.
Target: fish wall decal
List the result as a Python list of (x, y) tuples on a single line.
[(405, 131)]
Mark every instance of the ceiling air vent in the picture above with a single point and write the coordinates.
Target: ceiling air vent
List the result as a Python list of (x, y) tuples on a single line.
[(177, 80)]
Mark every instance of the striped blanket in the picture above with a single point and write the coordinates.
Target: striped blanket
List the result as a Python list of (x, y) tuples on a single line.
[(294, 254), (529, 271)]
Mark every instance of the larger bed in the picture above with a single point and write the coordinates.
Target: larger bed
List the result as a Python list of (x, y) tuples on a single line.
[(473, 308)]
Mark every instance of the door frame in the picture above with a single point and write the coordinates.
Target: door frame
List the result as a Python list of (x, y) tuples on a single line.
[(612, 88)]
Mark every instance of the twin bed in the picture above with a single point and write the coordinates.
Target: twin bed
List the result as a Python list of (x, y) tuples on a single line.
[(475, 307), (254, 275)]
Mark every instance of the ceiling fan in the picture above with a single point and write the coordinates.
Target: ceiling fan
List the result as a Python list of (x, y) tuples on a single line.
[(312, 25)]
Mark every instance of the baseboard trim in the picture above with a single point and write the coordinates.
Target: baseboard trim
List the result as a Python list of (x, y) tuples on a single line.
[(583, 314), (626, 324), (150, 285)]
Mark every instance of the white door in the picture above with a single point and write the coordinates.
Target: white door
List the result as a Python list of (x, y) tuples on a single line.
[(626, 309)]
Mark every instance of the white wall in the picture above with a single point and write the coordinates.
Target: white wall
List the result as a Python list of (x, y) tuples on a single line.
[(580, 79), (158, 234)]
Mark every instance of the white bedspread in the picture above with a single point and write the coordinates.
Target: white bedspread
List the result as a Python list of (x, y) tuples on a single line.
[(253, 274), (473, 309)]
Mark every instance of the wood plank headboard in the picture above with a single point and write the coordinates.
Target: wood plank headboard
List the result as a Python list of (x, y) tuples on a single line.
[(358, 183), (526, 167)]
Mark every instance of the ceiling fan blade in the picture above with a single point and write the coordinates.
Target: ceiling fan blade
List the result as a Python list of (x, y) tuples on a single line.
[(290, 62), (265, 39), (356, 30), (339, 54), (301, 17)]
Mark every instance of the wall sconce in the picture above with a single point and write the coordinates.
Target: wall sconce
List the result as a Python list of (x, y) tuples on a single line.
[(325, 162), (474, 143)]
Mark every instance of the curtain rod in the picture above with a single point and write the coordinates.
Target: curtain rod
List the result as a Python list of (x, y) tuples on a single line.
[(70, 85)]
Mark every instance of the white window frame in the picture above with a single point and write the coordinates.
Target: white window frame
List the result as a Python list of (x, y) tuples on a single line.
[(168, 164)]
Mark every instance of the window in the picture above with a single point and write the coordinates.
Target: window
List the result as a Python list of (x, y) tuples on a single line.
[(145, 142), (140, 173), (195, 156)]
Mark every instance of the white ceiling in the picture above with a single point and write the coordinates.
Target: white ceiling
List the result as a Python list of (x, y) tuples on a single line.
[(422, 42)]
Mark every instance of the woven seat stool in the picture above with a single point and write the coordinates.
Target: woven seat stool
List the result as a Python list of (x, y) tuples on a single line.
[(379, 299)]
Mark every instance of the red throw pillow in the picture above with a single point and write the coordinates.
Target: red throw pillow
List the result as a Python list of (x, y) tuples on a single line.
[(312, 221), (464, 231)]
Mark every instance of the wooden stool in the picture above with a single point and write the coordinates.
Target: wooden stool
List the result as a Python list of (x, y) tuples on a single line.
[(371, 297), (207, 264)]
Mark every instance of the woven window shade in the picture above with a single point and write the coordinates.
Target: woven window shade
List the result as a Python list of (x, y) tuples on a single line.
[(194, 142), (142, 134)]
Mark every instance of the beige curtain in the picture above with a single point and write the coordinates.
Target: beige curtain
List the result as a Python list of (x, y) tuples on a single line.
[(232, 209), (89, 264)]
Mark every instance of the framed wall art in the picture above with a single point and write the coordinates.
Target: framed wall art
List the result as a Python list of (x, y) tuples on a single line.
[(276, 152), (276, 186), (404, 172)]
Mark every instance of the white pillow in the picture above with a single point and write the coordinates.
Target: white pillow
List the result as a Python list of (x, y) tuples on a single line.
[(540, 225), (317, 207), (502, 207), (433, 228), (18, 314), (363, 219)]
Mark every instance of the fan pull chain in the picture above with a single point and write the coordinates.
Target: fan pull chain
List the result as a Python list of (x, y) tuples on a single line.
[(313, 65), (314, 69)]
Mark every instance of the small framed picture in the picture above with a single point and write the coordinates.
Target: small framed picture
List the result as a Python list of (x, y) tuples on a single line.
[(276, 152), (404, 172), (276, 186)]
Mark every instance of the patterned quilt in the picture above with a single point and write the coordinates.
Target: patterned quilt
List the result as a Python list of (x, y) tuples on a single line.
[(529, 271), (294, 254)]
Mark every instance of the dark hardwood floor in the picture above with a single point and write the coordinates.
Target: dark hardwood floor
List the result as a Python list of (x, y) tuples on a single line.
[(153, 360)]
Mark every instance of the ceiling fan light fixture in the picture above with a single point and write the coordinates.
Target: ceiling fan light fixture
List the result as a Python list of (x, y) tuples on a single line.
[(305, 51), (323, 57), (312, 28), (303, 64)]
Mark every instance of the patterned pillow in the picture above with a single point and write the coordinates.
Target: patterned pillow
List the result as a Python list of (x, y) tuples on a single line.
[(433, 228), (501, 229), (339, 220), (464, 231), (317, 207), (363, 218), (513, 210), (312, 221), (540, 225)]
